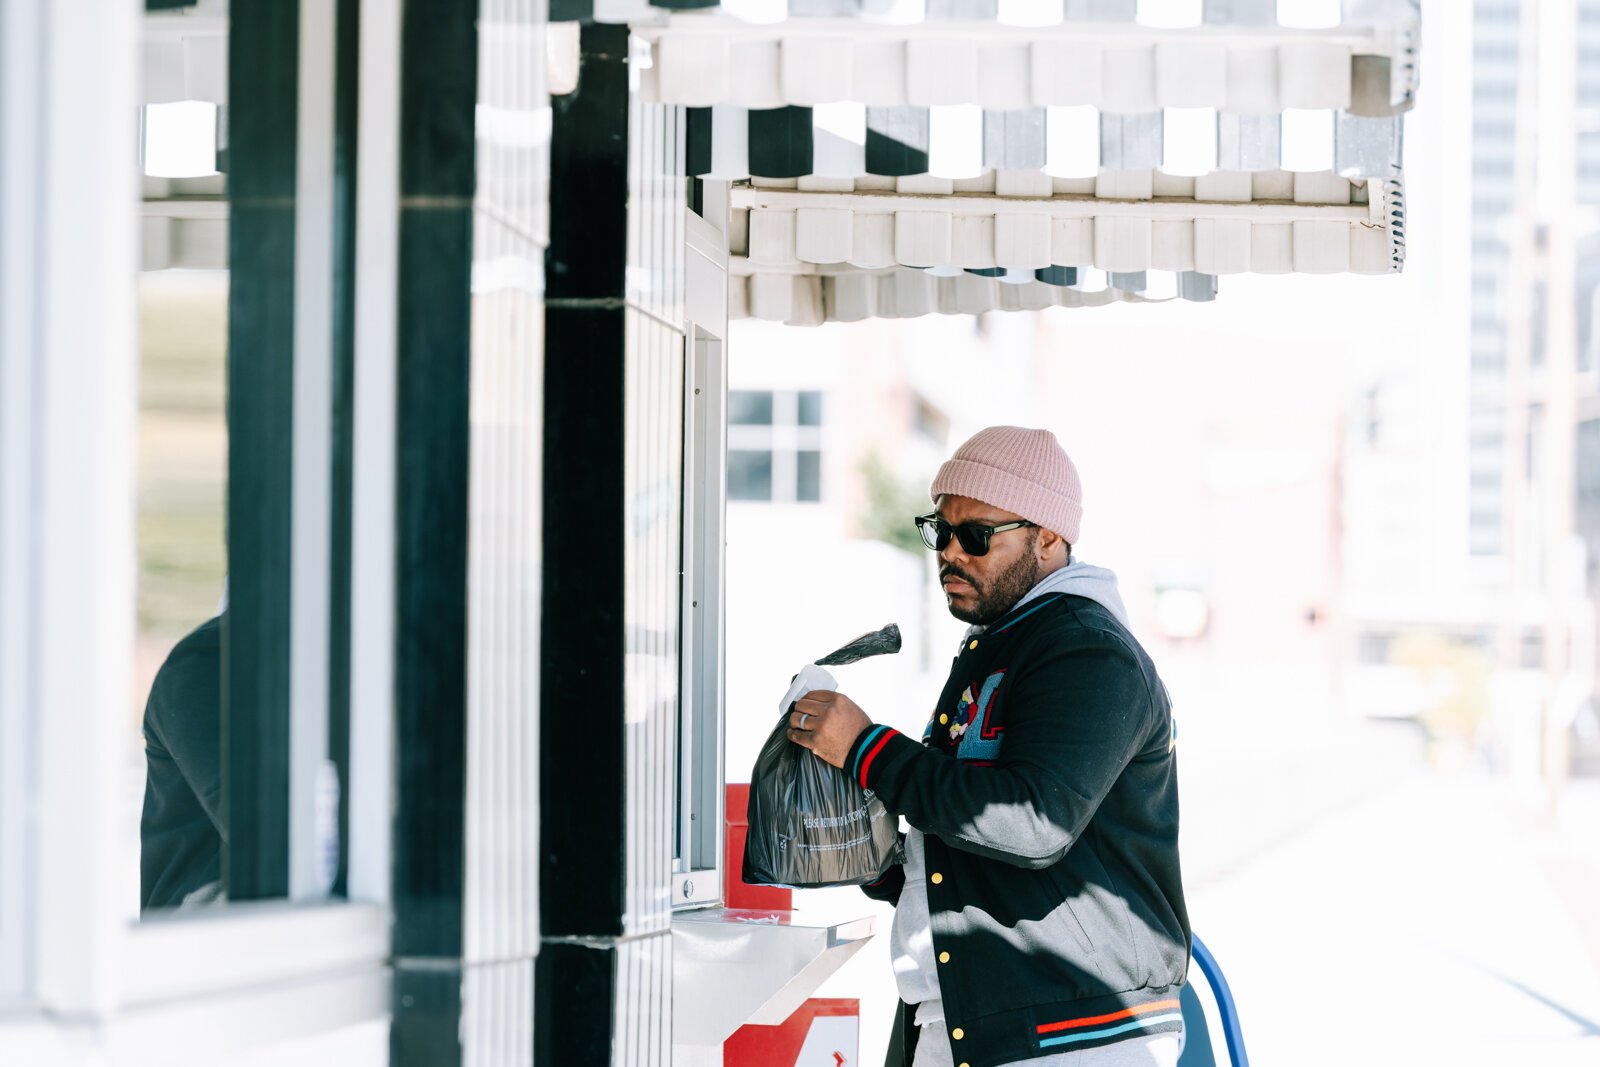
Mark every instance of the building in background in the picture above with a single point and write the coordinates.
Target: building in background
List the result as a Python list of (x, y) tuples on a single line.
[(1498, 39), (1483, 629)]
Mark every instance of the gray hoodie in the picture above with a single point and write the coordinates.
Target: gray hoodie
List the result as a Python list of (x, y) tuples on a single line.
[(1079, 579)]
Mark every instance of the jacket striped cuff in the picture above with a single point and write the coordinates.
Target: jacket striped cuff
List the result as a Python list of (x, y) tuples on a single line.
[(862, 758)]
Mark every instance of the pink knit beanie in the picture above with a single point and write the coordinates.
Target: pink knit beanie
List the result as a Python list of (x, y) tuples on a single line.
[(1021, 470)]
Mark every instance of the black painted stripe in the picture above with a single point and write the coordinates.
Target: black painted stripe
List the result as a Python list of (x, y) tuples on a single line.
[(780, 142), (263, 74), (437, 175)]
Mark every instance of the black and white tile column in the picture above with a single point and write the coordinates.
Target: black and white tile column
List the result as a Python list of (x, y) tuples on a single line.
[(474, 168), (613, 489)]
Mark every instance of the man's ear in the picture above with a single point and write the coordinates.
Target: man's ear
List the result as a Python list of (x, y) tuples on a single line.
[(1050, 543)]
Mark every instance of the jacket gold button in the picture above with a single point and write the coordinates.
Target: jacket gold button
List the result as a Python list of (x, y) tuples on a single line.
[(966, 1065), (974, 643), (958, 1033), (944, 957), (943, 719), (935, 877)]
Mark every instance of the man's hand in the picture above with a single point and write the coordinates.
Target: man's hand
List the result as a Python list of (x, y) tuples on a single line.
[(827, 723)]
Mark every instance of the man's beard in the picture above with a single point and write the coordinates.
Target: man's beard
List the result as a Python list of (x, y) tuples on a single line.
[(1001, 593)]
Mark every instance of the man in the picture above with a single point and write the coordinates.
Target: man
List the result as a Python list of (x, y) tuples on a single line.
[(1039, 914), (180, 832)]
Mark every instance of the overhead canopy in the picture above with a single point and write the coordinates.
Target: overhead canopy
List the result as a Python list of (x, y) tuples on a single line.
[(1084, 157), (1270, 223), (959, 89), (839, 98), (811, 294), (1073, 156), (807, 257)]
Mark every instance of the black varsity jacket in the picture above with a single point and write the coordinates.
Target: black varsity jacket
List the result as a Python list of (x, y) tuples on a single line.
[(1047, 787)]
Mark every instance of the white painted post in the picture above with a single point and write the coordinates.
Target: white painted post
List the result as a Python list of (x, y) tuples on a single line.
[(372, 573), (311, 522), (82, 249)]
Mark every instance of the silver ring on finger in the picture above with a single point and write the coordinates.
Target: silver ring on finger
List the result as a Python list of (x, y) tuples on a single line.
[(804, 715)]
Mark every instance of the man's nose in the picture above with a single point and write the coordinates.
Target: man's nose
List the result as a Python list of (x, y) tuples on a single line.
[(952, 553)]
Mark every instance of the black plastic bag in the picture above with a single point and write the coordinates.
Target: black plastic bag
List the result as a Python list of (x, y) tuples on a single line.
[(810, 824), (877, 643)]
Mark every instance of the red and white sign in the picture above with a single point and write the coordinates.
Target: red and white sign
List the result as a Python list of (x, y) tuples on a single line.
[(823, 1032)]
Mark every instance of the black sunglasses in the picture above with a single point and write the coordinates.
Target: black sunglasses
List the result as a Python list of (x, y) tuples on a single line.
[(973, 537)]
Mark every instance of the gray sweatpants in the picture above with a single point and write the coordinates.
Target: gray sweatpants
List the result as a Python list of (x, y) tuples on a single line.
[(1157, 1050)]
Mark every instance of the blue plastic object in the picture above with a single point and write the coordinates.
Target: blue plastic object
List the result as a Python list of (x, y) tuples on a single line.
[(1227, 1011)]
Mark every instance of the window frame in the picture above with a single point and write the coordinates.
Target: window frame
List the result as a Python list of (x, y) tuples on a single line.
[(20, 70), (82, 981), (697, 874), (173, 955), (67, 388)]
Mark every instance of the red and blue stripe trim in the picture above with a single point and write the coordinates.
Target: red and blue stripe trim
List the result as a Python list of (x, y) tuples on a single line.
[(1159, 1014), (867, 749)]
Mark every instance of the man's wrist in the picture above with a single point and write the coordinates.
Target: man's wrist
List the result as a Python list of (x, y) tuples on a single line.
[(862, 759)]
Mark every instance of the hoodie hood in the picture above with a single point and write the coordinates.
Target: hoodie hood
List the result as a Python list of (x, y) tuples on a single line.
[(1079, 579)]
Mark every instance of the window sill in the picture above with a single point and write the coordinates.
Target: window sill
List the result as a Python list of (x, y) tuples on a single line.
[(240, 946)]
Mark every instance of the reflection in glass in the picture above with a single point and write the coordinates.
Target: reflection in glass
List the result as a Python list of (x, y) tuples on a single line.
[(181, 830), (182, 465), (180, 139)]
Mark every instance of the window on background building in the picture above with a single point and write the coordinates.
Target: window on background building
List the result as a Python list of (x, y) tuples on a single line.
[(1536, 324), (1486, 460), (1372, 418), (775, 445), (1532, 650), (1372, 646), (930, 422), (1588, 487), (1588, 314)]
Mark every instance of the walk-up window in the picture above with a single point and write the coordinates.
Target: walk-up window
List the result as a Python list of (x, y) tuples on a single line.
[(259, 878), (247, 783), (249, 305), (343, 417)]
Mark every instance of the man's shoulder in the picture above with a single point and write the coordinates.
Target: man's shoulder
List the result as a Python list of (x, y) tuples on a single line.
[(199, 648), (192, 670), (1080, 624), (1082, 619)]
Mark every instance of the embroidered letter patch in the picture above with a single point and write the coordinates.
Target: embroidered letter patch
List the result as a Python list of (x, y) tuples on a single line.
[(973, 725)]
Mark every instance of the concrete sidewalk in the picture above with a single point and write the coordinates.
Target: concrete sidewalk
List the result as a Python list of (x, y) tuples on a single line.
[(1417, 926)]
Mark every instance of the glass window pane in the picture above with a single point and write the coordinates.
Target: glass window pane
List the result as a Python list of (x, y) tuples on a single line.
[(808, 479), (811, 408), (749, 474), (749, 408), (182, 488)]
